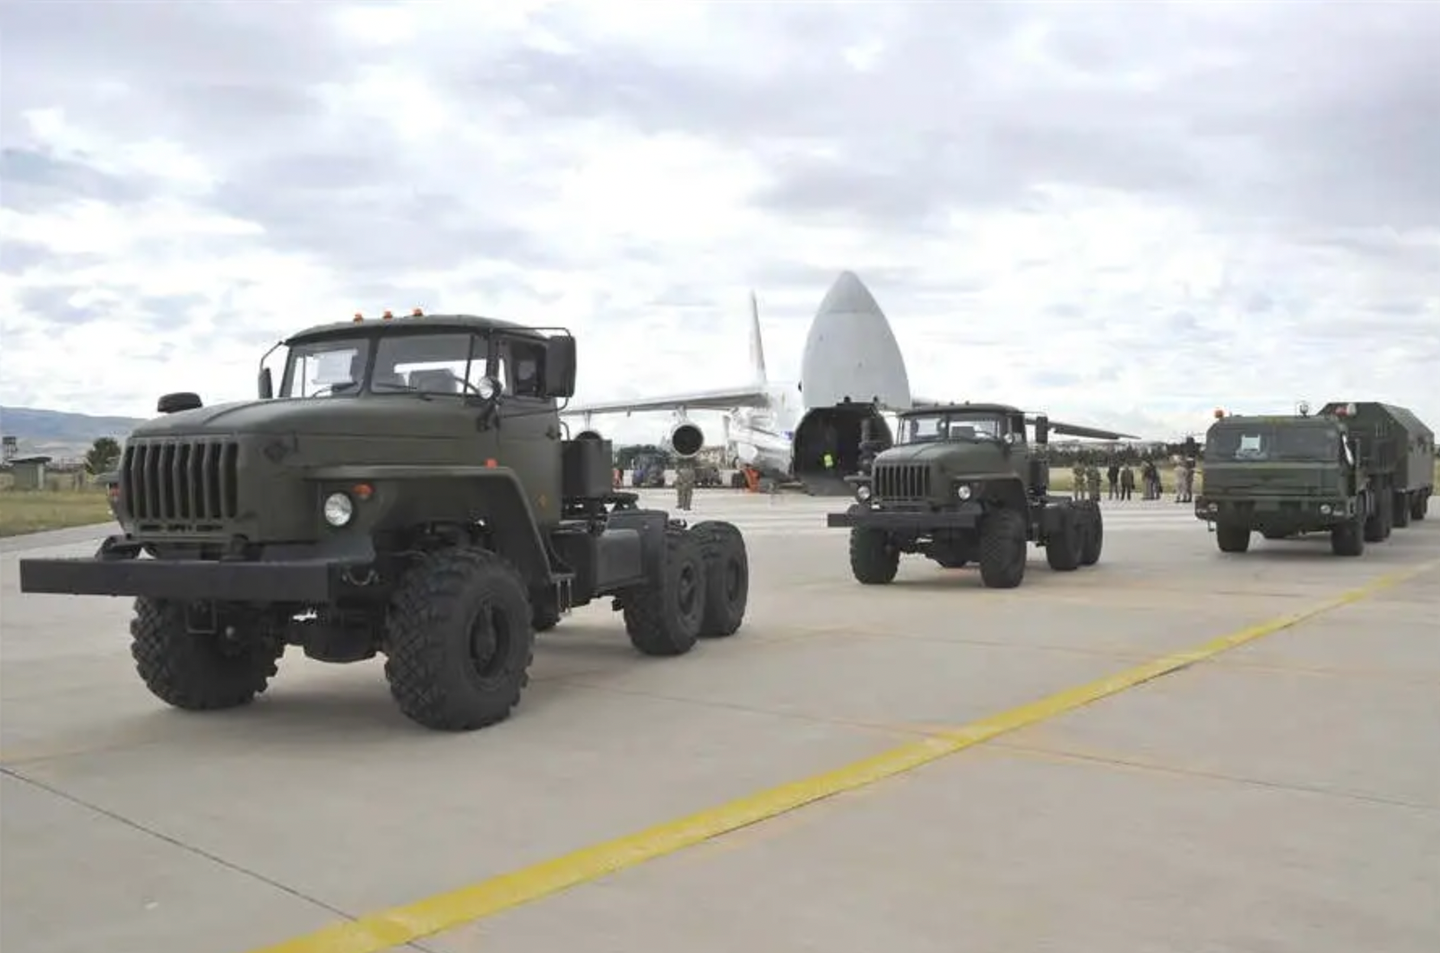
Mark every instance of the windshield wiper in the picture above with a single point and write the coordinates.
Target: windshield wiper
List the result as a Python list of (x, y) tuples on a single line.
[(337, 386)]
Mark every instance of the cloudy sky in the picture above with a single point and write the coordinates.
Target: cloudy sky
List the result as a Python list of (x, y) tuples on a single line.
[(1126, 213)]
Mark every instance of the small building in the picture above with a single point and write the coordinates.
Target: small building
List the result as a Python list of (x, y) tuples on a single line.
[(9, 448), (29, 472)]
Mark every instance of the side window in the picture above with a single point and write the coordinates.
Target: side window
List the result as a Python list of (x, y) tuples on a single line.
[(520, 367)]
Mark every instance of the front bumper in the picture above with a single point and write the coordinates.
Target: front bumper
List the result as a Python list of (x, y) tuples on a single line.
[(960, 516), (1258, 510), (292, 574)]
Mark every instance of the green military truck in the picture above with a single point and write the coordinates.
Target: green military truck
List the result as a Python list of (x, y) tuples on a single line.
[(963, 484), (408, 491), (1353, 471)]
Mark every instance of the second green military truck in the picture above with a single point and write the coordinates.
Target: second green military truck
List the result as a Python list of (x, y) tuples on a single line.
[(1355, 470), (965, 484)]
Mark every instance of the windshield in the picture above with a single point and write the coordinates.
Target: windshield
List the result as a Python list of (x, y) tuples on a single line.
[(951, 425), (452, 362), (1260, 442)]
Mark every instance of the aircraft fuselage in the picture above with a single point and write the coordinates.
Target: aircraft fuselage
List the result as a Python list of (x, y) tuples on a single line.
[(851, 372)]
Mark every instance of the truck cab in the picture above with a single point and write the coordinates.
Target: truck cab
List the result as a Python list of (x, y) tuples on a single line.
[(1282, 476)]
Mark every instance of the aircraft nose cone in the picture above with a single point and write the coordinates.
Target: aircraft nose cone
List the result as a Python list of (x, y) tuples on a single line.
[(851, 351), (849, 294)]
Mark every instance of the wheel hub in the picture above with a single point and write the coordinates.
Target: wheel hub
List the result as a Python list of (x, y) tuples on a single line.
[(489, 641), (732, 579), (685, 590)]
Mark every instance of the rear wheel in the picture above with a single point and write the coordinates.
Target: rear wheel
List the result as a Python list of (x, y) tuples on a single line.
[(1003, 549), (1093, 521), (664, 617), (1419, 505), (1064, 547), (1377, 522), (727, 577), (874, 561), (544, 610), (1400, 507), (1232, 538)]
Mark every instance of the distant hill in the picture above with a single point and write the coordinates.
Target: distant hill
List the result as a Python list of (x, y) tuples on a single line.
[(59, 434)]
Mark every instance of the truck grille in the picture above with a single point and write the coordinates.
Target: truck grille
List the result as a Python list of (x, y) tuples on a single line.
[(180, 480), (901, 481)]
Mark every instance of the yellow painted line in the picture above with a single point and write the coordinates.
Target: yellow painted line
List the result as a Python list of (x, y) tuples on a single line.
[(385, 929)]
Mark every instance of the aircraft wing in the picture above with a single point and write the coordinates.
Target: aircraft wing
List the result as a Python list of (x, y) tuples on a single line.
[(696, 400), (1075, 430)]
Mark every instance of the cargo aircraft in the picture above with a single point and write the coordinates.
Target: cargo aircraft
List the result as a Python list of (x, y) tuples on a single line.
[(851, 372)]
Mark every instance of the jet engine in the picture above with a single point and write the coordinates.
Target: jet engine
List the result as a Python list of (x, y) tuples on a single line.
[(685, 439)]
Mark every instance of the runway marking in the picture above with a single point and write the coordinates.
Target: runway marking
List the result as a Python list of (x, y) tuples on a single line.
[(385, 929)]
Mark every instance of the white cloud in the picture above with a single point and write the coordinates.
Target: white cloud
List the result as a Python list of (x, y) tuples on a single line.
[(1112, 236)]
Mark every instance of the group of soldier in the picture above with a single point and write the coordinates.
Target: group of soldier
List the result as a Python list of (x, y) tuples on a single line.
[(1120, 480)]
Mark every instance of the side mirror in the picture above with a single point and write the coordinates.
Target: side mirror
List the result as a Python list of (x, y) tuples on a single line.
[(1042, 429), (174, 403), (560, 366), (266, 385)]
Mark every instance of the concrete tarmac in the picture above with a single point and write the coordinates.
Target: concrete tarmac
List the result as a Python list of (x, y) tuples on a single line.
[(1282, 796)]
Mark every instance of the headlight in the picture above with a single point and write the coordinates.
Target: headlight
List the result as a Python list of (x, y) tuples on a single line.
[(338, 509), (1325, 508), (862, 493), (963, 491), (488, 388)]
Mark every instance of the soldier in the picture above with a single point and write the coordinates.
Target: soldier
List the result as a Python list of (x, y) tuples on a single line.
[(1127, 482), (1189, 481), (1112, 480), (1077, 476), (1093, 480), (1182, 474), (684, 484)]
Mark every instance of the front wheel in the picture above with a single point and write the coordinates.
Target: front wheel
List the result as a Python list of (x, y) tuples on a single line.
[(1232, 538), (1003, 549), (874, 561), (1348, 538), (459, 640), (198, 671)]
